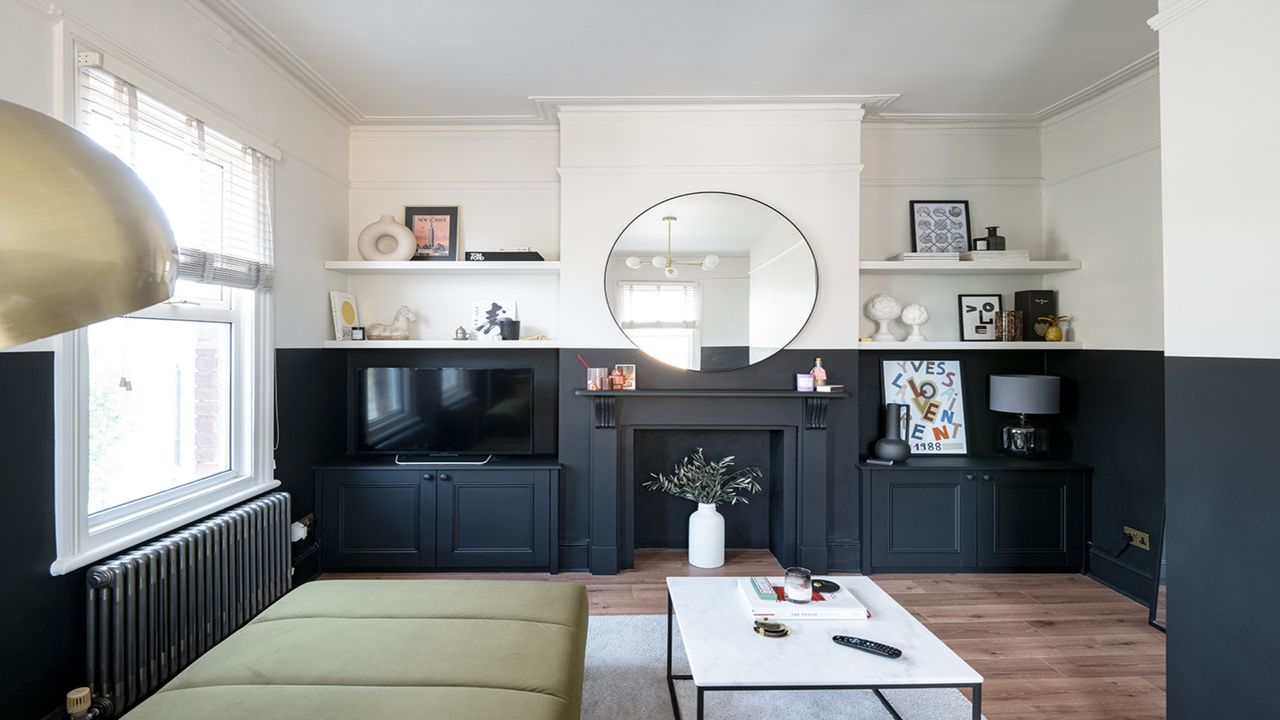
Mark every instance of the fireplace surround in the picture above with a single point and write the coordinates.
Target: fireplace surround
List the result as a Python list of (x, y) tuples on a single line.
[(799, 464)]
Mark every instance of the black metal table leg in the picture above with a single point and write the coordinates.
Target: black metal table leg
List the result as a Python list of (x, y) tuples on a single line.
[(977, 702), (700, 691), (887, 705)]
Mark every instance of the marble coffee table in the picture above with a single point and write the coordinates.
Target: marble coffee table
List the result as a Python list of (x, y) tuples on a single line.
[(725, 653)]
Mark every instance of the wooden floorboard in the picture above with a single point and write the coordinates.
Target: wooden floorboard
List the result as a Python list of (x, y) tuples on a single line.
[(1051, 646)]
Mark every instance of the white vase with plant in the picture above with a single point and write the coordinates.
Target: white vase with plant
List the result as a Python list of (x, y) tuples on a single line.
[(709, 484)]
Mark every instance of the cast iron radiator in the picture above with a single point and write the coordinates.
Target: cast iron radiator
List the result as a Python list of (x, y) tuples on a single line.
[(154, 610)]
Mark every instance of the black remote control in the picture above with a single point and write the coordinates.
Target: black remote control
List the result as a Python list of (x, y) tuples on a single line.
[(856, 643)]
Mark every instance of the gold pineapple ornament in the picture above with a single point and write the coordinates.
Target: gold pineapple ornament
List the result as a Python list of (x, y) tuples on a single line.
[(1053, 333)]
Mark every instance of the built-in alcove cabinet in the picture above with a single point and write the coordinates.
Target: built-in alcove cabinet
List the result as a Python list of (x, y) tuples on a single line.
[(974, 513), (379, 515)]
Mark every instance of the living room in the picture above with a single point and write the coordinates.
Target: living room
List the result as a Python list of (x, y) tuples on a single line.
[(318, 317)]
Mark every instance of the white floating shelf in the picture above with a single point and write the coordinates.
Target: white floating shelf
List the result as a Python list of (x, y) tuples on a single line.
[(439, 344), (422, 267), (962, 267), (959, 345)]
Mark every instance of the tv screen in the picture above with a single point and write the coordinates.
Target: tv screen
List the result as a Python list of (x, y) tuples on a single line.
[(444, 411)]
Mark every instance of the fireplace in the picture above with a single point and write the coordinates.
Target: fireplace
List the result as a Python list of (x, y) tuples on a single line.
[(638, 432)]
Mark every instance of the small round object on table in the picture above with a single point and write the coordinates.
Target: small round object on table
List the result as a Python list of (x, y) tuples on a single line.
[(387, 227)]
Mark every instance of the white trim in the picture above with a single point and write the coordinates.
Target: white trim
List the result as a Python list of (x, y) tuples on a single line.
[(952, 182), (1103, 163), (1142, 66), (848, 168), (1174, 11)]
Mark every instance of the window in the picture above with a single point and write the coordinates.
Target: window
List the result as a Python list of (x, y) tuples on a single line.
[(165, 415), (662, 319)]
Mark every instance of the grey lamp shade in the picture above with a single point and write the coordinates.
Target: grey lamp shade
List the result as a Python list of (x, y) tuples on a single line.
[(1025, 394)]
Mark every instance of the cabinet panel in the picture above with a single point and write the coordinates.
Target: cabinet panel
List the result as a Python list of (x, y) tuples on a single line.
[(1030, 519), (921, 519), (376, 518), (493, 518)]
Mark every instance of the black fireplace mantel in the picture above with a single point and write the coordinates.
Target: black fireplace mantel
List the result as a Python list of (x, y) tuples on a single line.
[(604, 402), (799, 417)]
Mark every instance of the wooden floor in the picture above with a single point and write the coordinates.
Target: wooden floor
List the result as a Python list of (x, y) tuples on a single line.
[(1050, 646)]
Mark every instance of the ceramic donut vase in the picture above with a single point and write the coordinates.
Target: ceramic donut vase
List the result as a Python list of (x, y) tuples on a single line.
[(386, 227)]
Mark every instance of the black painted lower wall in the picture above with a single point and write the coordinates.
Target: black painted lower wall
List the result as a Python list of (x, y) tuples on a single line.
[(41, 617), (1113, 412), (1223, 494)]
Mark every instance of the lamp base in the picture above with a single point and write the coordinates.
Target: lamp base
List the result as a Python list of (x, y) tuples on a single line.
[(1022, 439)]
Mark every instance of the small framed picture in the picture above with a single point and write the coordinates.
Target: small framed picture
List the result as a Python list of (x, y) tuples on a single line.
[(939, 226), (978, 317), (436, 232), (487, 317), (629, 372), (345, 314), (933, 391)]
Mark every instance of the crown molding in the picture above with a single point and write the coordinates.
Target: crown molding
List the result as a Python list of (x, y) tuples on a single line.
[(294, 67), (1135, 69), (1173, 11), (958, 121)]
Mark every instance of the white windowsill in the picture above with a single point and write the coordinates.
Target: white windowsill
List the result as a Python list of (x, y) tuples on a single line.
[(162, 523)]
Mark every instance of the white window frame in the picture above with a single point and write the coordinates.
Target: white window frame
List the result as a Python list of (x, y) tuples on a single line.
[(82, 538)]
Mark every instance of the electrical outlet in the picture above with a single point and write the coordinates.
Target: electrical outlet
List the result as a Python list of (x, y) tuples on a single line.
[(1137, 538)]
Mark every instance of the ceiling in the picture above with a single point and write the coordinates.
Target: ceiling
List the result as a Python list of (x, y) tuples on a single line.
[(484, 60)]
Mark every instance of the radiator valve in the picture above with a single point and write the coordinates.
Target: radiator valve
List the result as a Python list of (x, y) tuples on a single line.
[(78, 703)]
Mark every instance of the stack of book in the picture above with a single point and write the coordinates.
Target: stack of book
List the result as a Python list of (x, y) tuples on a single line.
[(912, 256), (523, 252), (996, 255), (764, 598)]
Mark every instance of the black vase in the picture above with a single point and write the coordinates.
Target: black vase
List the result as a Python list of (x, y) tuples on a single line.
[(893, 446), (994, 240)]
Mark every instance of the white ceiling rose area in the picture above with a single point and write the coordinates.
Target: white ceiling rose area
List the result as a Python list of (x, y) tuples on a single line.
[(387, 61)]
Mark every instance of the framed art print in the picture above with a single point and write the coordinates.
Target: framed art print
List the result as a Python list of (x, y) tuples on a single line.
[(345, 314), (436, 231), (933, 391), (939, 226), (978, 317)]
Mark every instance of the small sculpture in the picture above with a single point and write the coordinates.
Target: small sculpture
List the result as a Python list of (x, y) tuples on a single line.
[(397, 330), (405, 245), (461, 334), (883, 309), (1054, 332), (915, 316)]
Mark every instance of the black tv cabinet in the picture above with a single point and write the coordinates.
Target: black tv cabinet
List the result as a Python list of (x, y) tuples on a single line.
[(976, 514), (376, 515)]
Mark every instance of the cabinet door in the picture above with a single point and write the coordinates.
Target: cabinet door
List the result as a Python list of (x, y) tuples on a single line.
[(922, 519), (1030, 519), (377, 518), (493, 518)]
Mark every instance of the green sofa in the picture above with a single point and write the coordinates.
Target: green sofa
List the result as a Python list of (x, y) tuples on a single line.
[(390, 650)]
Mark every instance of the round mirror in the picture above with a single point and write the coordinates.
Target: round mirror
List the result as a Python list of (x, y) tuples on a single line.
[(711, 281)]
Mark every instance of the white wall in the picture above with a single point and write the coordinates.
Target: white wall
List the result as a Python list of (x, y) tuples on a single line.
[(1101, 206), (185, 51), (615, 162), (1221, 251), (995, 168), (503, 181)]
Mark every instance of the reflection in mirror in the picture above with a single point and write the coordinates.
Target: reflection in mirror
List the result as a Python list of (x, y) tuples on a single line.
[(711, 281)]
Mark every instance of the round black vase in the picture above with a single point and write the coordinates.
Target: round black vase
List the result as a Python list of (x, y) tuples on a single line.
[(892, 449)]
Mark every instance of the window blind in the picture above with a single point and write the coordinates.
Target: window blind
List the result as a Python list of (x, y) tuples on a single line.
[(658, 305), (215, 191)]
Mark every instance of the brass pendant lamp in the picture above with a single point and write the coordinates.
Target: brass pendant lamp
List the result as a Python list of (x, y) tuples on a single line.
[(82, 239)]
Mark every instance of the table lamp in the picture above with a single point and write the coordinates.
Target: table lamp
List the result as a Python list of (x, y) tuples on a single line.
[(1025, 395)]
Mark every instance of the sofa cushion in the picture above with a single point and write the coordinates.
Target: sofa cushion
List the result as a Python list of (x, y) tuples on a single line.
[(382, 648)]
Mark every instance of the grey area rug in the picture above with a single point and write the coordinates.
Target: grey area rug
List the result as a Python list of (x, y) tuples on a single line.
[(626, 680)]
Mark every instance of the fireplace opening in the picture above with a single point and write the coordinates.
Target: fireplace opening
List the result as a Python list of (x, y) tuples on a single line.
[(662, 521)]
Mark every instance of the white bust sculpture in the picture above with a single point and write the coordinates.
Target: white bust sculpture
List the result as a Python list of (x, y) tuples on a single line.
[(915, 316), (883, 309)]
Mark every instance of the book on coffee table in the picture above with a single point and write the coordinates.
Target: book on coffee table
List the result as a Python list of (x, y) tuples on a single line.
[(764, 598)]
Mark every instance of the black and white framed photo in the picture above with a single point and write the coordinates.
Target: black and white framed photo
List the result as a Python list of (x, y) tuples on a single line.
[(978, 317), (939, 226), (435, 229)]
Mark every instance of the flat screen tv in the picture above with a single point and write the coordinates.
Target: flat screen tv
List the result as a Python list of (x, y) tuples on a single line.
[(444, 411)]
